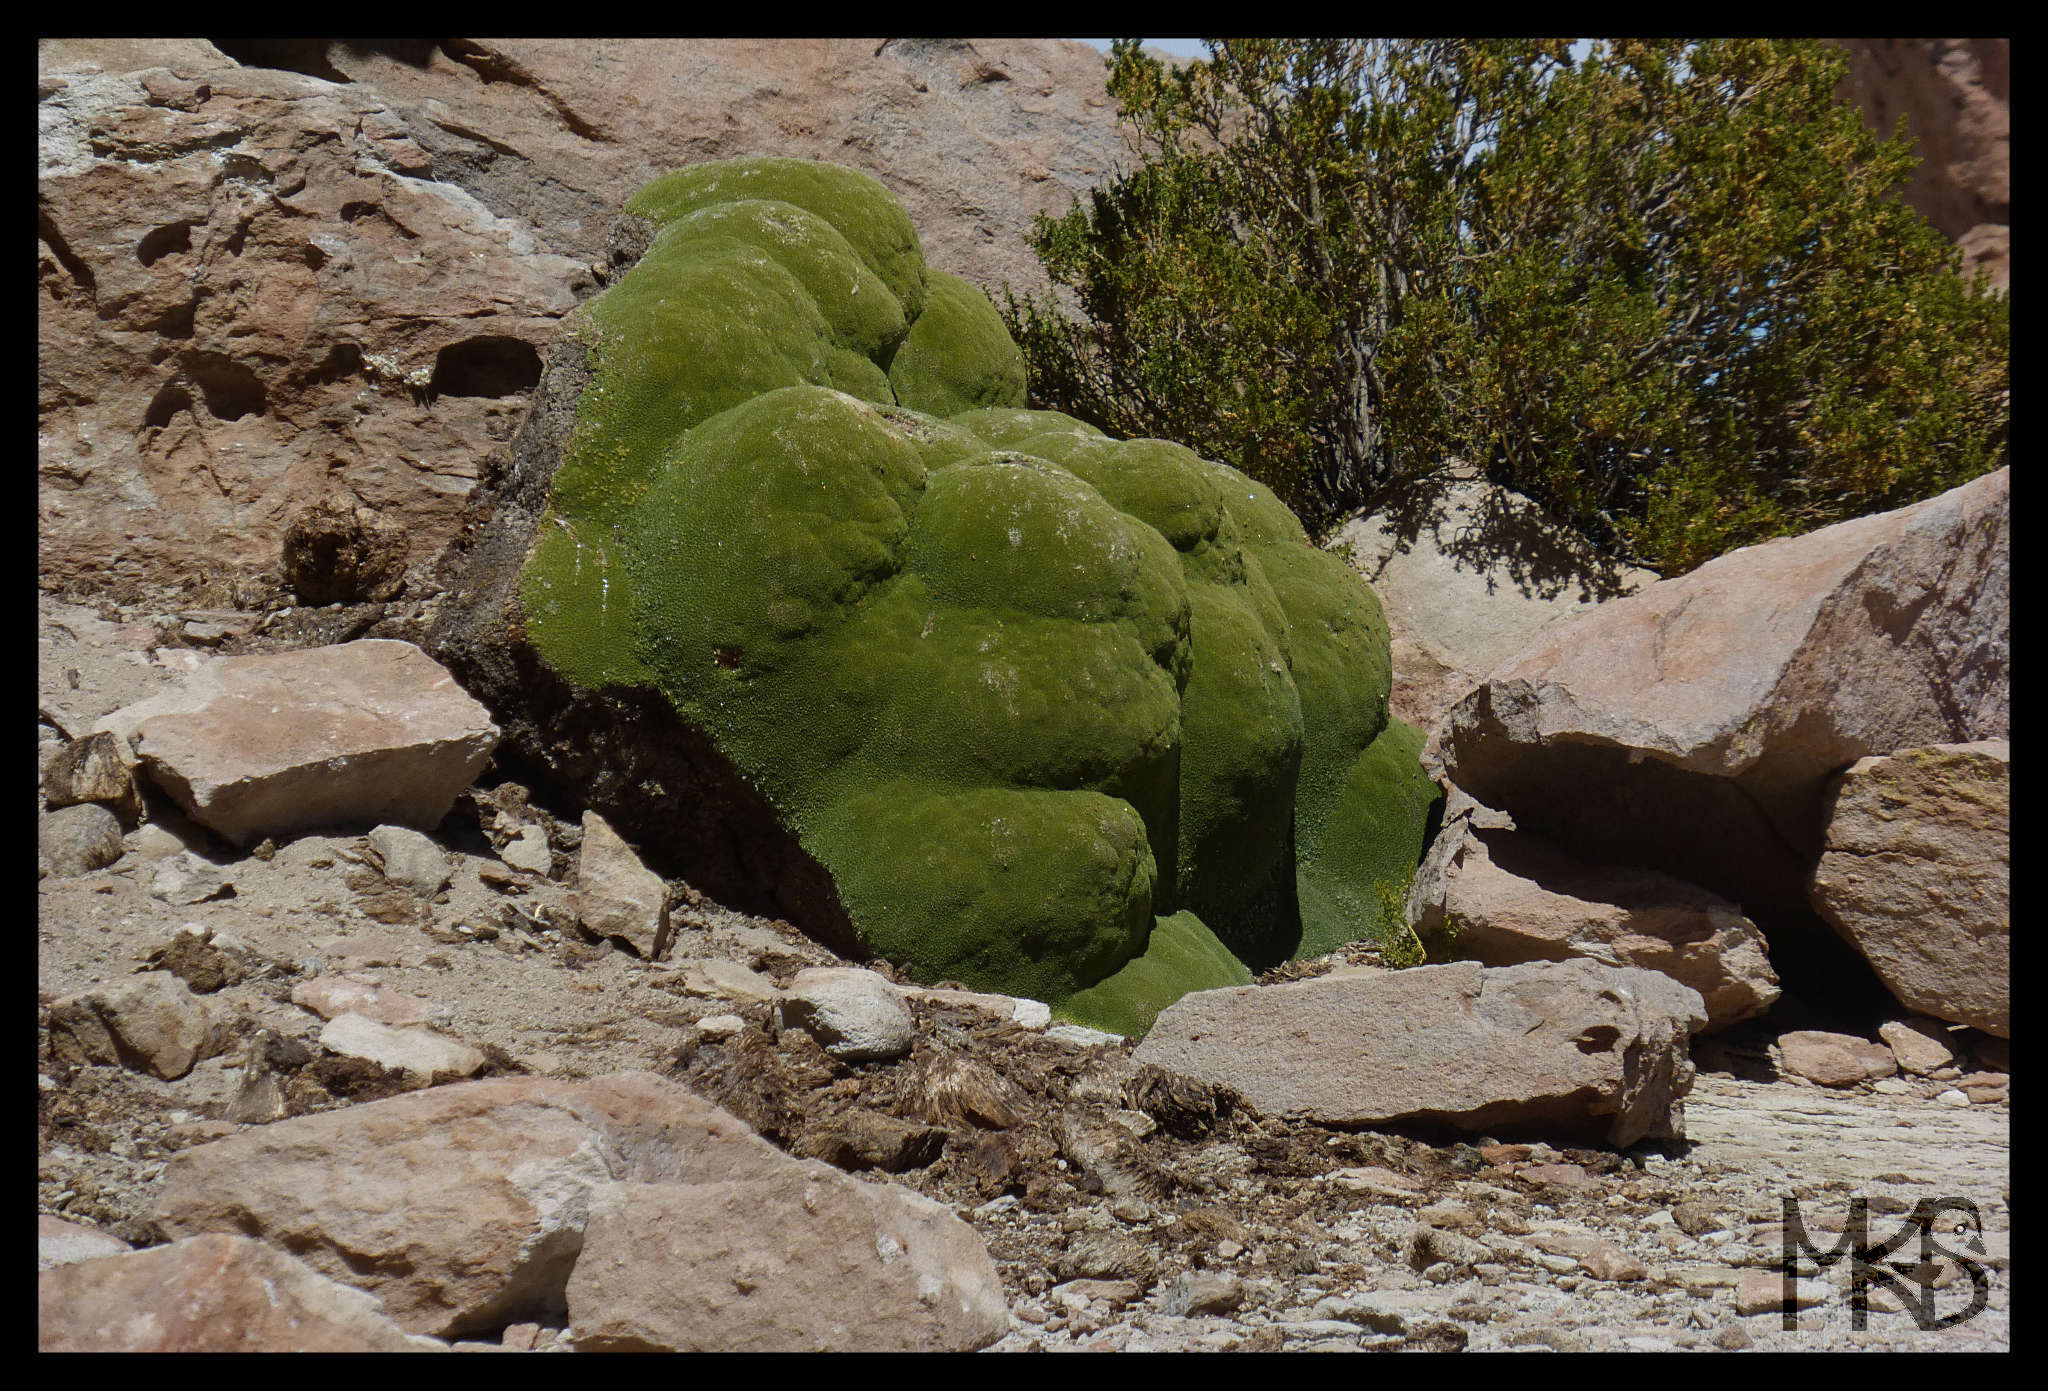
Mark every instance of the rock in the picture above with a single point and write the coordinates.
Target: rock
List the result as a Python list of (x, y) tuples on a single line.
[(150, 1023), (1497, 896), (209, 1294), (1077, 1295), (269, 746), (409, 859), (205, 961), (1916, 873), (338, 553), (1568, 1176), (1699, 721), (616, 895), (1952, 1097), (1027, 1014), (727, 980), (1768, 1292), (188, 878), (1374, 1180), (1468, 572), (1398, 1312), (91, 770), (427, 1056), (1574, 1046), (264, 306), (78, 839), (1081, 1036), (1920, 1045), (1956, 95), (62, 1243), (802, 1259), (461, 1207), (1984, 1088), (1110, 1255), (1603, 1260), (529, 851), (855, 1014), (721, 1026), (864, 1139), (273, 308), (332, 996), (1834, 1060), (179, 56)]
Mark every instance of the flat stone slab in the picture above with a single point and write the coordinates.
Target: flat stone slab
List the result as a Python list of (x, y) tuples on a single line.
[(1569, 1046), (364, 733)]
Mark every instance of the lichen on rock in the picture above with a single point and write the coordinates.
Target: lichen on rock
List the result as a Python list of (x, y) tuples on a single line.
[(1058, 715)]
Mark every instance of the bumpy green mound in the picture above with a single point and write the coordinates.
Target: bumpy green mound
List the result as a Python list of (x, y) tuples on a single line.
[(1063, 716)]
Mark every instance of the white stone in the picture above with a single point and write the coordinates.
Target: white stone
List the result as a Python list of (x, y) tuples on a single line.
[(855, 1014), (409, 1050)]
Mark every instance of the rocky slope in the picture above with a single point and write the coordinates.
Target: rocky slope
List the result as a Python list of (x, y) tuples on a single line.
[(1123, 1207)]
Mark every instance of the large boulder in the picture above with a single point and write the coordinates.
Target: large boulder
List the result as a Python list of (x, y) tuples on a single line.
[(785, 580), (1568, 1048), (1917, 874), (474, 1205), (1492, 894), (357, 734), (1693, 727), (275, 265), (1469, 572)]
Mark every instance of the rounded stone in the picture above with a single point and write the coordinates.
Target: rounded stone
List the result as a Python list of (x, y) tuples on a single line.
[(855, 1014)]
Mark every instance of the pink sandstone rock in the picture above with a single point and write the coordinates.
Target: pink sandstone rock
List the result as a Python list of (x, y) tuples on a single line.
[(1917, 874), (1491, 894), (1573, 1046), (216, 1293), (1693, 727), (270, 746), (803, 1260)]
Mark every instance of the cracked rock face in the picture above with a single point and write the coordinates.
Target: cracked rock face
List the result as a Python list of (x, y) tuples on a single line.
[(248, 279), (331, 270)]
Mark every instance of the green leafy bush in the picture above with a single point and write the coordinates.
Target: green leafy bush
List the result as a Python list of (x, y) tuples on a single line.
[(1667, 290)]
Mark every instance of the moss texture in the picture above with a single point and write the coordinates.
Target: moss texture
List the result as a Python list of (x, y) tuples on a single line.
[(1064, 716)]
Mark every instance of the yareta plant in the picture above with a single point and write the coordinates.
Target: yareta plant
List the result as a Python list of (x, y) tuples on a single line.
[(1057, 715)]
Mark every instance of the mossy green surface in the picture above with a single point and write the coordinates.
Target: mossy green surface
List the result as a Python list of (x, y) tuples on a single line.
[(1355, 875), (958, 357), (1182, 956), (1063, 716)]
